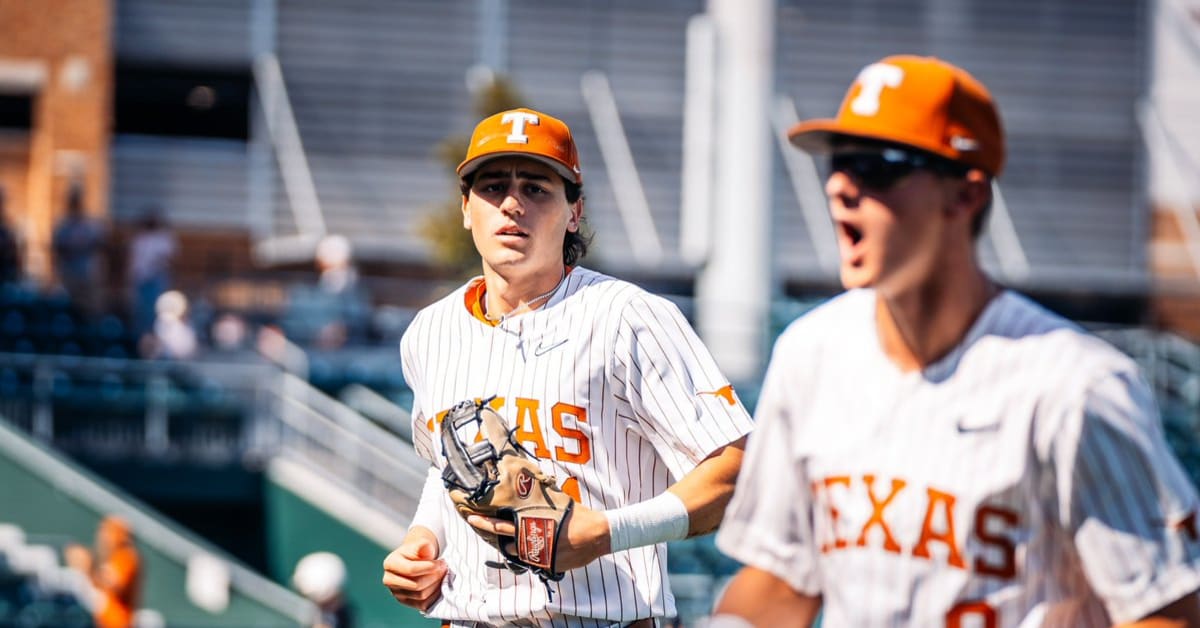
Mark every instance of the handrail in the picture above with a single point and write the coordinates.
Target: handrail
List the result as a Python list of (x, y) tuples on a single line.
[(1170, 362), (287, 416), (379, 408), (289, 149), (333, 412), (618, 158), (806, 185), (383, 470)]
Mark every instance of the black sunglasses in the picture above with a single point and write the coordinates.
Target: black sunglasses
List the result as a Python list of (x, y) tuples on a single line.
[(881, 169)]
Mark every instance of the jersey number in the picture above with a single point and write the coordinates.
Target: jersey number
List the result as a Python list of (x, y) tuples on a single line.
[(975, 614)]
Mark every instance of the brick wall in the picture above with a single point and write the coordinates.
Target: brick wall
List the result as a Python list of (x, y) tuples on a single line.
[(67, 42)]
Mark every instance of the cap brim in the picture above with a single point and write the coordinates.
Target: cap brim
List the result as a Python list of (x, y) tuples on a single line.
[(816, 136), (813, 136), (467, 167)]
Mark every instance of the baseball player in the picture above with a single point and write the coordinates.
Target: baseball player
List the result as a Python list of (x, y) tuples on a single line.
[(605, 384), (932, 449)]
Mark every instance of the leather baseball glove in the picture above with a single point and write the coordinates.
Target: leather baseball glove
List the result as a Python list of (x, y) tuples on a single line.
[(489, 473)]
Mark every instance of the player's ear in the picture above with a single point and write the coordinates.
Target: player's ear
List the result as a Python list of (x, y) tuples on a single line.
[(971, 195), (575, 216), (466, 215)]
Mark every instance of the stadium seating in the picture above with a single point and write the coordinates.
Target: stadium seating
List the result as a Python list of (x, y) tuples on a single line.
[(375, 90), (33, 322), (35, 589)]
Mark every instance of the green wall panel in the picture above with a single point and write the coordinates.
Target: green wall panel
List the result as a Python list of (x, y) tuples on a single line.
[(53, 517), (296, 528)]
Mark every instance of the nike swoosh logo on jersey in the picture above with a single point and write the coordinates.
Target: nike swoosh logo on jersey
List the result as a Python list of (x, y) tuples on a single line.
[(546, 348), (967, 427)]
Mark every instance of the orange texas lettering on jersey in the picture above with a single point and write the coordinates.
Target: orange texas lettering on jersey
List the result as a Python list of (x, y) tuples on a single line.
[(570, 444), (992, 526)]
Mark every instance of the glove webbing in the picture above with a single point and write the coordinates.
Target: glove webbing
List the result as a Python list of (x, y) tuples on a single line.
[(466, 468)]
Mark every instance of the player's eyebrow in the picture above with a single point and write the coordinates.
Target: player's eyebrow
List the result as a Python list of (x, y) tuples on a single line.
[(521, 174)]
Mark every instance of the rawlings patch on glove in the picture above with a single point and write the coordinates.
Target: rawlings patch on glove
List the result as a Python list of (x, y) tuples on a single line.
[(489, 473)]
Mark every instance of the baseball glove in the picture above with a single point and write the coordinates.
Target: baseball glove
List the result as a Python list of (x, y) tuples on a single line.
[(489, 473)]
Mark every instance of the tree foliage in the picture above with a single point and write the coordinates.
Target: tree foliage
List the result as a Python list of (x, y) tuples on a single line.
[(442, 227)]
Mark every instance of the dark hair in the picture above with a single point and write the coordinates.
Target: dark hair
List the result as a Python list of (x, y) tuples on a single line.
[(75, 199), (151, 218), (980, 218), (575, 243)]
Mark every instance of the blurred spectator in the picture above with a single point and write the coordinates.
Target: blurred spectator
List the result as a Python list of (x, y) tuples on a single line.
[(229, 333), (320, 577), (115, 570), (173, 337), (10, 254), (337, 310), (78, 243), (207, 583), (151, 251), (333, 256)]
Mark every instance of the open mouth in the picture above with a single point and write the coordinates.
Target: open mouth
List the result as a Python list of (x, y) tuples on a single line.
[(852, 233)]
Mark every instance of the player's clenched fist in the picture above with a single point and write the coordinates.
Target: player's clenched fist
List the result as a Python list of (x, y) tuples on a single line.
[(413, 573)]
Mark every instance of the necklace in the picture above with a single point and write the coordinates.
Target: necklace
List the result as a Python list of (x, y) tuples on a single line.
[(529, 303)]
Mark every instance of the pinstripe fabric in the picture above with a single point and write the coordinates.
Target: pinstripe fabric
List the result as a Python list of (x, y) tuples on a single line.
[(1023, 480), (608, 384)]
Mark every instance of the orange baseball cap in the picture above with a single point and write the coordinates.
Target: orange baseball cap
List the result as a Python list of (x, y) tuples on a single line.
[(923, 102), (523, 133)]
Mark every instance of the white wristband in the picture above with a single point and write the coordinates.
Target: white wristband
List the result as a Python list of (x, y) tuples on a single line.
[(659, 519)]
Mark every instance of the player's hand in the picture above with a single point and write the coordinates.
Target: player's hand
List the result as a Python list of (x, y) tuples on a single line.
[(585, 537), (78, 557), (413, 573)]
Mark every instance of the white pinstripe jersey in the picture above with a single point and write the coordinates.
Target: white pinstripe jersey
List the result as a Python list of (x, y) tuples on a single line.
[(612, 389), (1022, 480)]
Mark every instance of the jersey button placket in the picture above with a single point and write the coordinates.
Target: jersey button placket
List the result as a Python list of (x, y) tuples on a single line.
[(491, 594)]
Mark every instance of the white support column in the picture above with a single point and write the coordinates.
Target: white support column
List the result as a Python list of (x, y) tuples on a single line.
[(491, 28), (264, 17), (734, 289), (696, 172)]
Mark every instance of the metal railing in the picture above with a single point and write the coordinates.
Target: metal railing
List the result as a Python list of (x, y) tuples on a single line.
[(1170, 363), (214, 412), (154, 408), (349, 449)]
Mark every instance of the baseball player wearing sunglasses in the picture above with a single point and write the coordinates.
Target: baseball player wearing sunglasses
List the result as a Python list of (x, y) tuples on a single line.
[(932, 449)]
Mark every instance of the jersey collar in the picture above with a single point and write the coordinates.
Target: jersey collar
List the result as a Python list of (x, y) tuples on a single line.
[(474, 295)]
